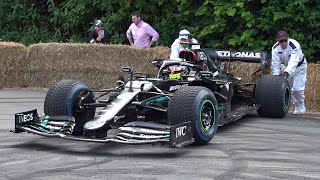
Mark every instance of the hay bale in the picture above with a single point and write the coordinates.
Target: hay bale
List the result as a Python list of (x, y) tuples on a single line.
[(99, 65), (161, 52), (13, 65), (86, 62), (312, 95), (245, 70)]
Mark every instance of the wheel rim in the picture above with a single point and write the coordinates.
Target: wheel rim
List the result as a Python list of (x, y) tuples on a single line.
[(287, 97), (79, 102), (207, 116)]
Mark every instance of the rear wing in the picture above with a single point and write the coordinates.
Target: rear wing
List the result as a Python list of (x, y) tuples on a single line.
[(245, 56), (204, 54)]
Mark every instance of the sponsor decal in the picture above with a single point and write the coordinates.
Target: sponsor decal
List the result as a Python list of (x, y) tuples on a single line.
[(176, 87), (239, 54), (23, 118), (153, 136), (248, 54), (181, 131)]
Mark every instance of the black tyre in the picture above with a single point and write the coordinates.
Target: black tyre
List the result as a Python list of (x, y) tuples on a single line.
[(273, 94), (198, 105), (63, 98)]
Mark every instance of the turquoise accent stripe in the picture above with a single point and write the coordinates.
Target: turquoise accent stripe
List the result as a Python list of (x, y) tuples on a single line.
[(159, 99), (45, 121), (219, 108)]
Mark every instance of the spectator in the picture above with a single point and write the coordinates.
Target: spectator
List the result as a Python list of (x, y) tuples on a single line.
[(289, 61), (140, 34), (98, 34), (181, 43)]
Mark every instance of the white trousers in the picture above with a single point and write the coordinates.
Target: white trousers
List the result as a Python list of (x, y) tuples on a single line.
[(298, 81)]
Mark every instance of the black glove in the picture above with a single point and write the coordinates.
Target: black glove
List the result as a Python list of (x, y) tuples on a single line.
[(285, 75)]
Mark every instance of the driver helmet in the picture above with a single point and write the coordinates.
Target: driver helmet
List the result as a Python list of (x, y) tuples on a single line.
[(184, 36), (176, 71)]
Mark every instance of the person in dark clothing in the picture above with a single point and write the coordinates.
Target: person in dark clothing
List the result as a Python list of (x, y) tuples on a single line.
[(98, 34)]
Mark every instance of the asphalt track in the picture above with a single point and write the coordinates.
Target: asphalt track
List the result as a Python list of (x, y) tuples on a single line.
[(251, 148)]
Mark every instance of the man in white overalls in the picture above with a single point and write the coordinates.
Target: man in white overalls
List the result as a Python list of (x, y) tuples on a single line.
[(289, 61)]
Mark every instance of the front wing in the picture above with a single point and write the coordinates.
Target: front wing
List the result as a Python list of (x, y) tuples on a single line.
[(136, 132)]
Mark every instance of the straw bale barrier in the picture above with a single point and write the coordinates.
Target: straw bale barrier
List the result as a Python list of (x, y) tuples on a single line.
[(99, 65), (41, 65), (245, 71), (312, 91), (13, 65)]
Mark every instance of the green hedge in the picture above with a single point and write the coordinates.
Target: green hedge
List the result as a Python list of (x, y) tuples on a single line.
[(235, 24)]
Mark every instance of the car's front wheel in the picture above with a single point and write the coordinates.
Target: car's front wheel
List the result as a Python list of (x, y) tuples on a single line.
[(66, 98), (198, 105)]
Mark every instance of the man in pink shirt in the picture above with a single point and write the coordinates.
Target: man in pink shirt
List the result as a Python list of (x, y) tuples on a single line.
[(140, 34)]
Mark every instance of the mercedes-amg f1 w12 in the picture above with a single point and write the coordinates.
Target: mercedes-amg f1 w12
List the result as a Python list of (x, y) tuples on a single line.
[(183, 104)]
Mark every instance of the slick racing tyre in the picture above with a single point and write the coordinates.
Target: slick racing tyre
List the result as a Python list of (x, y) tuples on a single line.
[(273, 94), (198, 105), (66, 98)]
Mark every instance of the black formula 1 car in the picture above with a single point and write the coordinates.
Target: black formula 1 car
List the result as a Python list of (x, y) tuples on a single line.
[(184, 104)]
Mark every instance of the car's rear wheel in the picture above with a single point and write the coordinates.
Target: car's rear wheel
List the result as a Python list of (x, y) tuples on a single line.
[(273, 94), (66, 98), (198, 105)]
